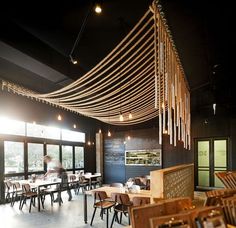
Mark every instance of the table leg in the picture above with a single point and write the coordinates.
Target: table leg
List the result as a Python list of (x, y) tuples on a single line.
[(85, 208), (38, 196)]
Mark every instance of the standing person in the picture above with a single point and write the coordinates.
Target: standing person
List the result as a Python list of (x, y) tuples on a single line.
[(54, 166)]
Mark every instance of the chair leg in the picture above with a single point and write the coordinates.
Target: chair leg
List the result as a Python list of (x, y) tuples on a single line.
[(107, 217), (121, 217), (93, 216), (31, 201), (113, 218)]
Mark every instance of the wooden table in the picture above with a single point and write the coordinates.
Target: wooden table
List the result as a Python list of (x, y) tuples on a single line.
[(38, 184), (109, 190)]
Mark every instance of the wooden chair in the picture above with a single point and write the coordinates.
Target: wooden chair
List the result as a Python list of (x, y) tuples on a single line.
[(100, 201), (177, 220), (97, 181), (28, 193), (123, 203), (8, 191), (209, 217), (140, 215), (138, 181), (83, 184), (50, 191), (17, 192), (139, 201)]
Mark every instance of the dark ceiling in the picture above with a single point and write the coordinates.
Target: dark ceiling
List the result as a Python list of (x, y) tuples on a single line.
[(42, 33)]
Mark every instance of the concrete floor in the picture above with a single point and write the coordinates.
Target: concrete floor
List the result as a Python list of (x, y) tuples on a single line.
[(69, 215)]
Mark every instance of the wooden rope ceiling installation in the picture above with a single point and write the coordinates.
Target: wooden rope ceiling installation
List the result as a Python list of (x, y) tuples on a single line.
[(142, 75)]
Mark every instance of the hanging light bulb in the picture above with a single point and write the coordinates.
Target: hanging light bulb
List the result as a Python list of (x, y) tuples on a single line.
[(128, 137), (121, 117), (98, 8), (214, 108), (89, 143), (59, 117), (109, 133), (100, 131), (74, 126), (130, 115)]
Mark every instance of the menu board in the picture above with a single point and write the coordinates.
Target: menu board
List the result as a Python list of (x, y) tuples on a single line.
[(143, 157)]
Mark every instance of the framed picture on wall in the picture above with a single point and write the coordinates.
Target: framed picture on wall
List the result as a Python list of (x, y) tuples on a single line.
[(143, 157)]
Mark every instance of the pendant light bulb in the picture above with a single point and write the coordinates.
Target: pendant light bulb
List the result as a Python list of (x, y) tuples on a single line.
[(121, 117), (109, 134), (130, 116), (100, 131), (59, 117), (128, 137), (74, 126), (98, 9)]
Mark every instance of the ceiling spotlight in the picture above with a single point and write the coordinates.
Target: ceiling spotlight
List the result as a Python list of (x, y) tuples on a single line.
[(59, 117), (121, 117), (98, 8), (73, 60)]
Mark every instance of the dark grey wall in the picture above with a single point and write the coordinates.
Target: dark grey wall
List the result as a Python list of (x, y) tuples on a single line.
[(114, 153)]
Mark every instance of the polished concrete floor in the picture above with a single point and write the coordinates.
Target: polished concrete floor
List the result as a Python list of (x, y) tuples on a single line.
[(69, 215)]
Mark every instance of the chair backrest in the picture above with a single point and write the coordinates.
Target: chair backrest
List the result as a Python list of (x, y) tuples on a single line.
[(16, 186), (100, 195), (138, 201), (8, 185), (121, 198), (72, 177), (26, 188), (119, 185)]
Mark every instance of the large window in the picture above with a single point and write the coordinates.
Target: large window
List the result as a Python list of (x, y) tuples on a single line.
[(79, 157), (72, 136), (35, 157), (67, 157), (53, 151), (14, 157), (12, 127)]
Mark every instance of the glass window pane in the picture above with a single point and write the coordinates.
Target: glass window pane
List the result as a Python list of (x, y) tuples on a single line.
[(79, 157), (12, 127), (220, 151), (35, 130), (53, 151), (14, 157), (35, 157), (74, 136), (203, 178), (67, 157), (52, 133), (203, 153)]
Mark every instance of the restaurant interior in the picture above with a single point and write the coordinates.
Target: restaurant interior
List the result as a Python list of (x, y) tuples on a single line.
[(132, 103)]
